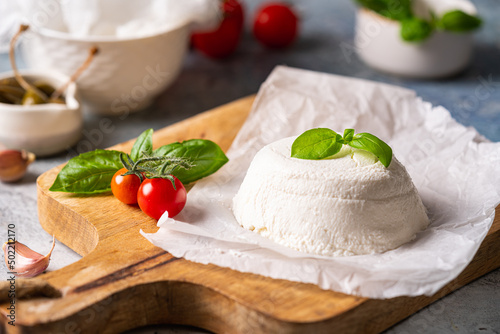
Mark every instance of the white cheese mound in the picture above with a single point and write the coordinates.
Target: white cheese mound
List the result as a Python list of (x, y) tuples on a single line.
[(348, 205)]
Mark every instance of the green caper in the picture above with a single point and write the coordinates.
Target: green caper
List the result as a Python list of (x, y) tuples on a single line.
[(11, 95), (10, 99), (59, 100), (12, 82), (44, 87), (4, 99), (17, 91), (31, 98)]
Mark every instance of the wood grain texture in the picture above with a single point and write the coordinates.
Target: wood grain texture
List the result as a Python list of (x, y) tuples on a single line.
[(123, 281)]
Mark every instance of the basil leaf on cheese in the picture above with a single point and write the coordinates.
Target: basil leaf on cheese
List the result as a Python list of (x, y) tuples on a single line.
[(322, 143), (370, 143), (316, 144), (348, 135)]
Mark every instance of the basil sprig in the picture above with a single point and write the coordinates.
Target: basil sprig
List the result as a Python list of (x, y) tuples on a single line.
[(322, 143), (189, 161), (415, 29)]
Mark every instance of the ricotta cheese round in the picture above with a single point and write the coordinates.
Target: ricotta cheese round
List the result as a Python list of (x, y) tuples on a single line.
[(348, 205)]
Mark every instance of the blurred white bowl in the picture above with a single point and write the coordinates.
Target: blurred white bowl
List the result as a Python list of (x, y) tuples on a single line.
[(379, 44), (43, 129), (125, 75)]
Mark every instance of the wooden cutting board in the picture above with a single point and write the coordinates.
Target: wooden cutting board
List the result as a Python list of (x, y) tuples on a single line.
[(123, 281)]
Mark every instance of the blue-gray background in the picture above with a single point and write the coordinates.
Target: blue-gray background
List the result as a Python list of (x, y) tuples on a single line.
[(472, 97)]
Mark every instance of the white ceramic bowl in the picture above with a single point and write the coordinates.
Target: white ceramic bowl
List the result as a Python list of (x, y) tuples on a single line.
[(125, 75), (379, 45), (43, 129)]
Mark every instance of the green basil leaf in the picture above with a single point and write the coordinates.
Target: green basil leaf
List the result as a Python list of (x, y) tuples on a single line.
[(88, 173), (458, 21), (370, 143), (165, 149), (392, 9), (144, 143), (415, 29), (206, 156), (348, 135), (316, 144)]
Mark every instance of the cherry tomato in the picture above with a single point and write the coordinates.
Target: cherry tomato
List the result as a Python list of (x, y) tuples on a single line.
[(155, 196), (275, 25), (125, 187), (224, 40)]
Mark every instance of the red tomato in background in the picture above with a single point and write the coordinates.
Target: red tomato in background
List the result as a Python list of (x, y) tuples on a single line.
[(275, 25), (155, 196), (125, 187), (224, 40)]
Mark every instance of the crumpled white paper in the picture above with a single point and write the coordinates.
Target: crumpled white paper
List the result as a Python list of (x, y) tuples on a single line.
[(456, 171), (118, 18)]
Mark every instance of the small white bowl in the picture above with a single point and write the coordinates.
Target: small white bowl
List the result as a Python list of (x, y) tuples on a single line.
[(124, 76), (43, 129), (379, 44)]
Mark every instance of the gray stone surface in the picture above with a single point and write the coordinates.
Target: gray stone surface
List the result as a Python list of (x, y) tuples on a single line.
[(326, 27)]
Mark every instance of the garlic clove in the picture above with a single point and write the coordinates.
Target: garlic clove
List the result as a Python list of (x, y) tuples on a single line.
[(27, 263), (13, 164)]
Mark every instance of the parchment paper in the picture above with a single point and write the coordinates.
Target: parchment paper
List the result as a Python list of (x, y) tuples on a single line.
[(456, 171)]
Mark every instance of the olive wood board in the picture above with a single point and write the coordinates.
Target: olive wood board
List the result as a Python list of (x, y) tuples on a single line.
[(124, 282)]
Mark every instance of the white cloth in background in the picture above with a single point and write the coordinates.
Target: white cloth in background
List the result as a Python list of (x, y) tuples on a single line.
[(120, 18)]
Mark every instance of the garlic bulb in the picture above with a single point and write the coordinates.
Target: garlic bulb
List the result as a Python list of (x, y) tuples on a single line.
[(13, 164), (26, 262)]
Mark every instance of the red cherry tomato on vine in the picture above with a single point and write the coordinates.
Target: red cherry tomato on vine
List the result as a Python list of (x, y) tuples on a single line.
[(224, 40), (275, 25), (125, 187), (155, 196)]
